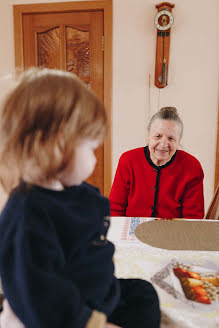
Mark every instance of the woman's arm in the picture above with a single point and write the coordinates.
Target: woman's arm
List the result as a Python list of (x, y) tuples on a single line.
[(120, 189), (193, 198)]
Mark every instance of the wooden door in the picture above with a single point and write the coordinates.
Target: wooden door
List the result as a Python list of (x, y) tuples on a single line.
[(72, 41)]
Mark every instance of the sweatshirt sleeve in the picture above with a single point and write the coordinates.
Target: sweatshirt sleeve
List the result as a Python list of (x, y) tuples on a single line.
[(120, 189), (193, 198), (31, 267)]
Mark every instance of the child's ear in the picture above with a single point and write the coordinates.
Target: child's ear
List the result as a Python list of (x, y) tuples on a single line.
[(59, 147), (60, 143)]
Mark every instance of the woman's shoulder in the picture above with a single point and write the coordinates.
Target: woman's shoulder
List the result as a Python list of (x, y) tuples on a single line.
[(132, 153), (188, 159)]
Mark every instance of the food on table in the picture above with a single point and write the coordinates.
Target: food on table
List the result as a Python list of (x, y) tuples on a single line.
[(196, 286)]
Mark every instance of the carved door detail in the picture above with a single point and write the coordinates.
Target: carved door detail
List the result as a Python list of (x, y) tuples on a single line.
[(71, 41)]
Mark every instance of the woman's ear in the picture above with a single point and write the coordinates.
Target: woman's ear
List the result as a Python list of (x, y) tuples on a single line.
[(147, 138), (180, 146)]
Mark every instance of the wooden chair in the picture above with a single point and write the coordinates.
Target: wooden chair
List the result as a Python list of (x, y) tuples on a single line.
[(213, 210)]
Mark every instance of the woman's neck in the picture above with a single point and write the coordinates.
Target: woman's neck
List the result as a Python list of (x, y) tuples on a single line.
[(157, 162)]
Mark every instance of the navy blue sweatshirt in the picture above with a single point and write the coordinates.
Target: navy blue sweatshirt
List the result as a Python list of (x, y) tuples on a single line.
[(55, 261)]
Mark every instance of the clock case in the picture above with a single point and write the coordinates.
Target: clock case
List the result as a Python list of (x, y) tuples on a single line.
[(163, 47)]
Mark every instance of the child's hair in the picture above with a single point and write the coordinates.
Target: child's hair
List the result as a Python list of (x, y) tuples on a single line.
[(44, 105), (167, 113)]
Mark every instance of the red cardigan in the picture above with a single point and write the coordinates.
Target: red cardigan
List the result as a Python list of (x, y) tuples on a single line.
[(142, 189)]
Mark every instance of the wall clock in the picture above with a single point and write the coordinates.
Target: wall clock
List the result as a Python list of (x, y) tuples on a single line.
[(163, 22)]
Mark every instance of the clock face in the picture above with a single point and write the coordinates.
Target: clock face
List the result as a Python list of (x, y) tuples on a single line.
[(163, 20)]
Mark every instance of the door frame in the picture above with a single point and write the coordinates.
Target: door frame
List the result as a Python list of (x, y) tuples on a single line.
[(216, 178), (106, 6)]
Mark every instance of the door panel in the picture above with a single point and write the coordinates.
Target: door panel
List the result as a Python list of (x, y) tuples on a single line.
[(71, 41), (48, 48), (78, 52)]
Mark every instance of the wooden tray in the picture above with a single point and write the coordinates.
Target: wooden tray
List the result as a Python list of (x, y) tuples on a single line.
[(200, 235)]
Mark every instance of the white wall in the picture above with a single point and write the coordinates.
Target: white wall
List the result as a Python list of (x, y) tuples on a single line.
[(193, 77), (193, 74)]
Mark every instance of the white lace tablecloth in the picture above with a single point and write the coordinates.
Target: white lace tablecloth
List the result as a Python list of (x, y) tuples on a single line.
[(134, 259)]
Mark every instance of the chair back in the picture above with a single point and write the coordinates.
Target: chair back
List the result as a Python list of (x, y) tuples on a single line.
[(213, 210)]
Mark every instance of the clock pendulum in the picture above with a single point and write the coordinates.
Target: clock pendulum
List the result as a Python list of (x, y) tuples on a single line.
[(163, 22)]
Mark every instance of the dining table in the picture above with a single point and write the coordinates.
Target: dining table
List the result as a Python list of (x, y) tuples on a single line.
[(187, 281)]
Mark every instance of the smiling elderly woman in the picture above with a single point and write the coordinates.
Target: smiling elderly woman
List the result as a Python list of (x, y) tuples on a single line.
[(159, 180)]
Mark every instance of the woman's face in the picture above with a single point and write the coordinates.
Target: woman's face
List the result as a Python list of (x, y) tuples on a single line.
[(163, 140)]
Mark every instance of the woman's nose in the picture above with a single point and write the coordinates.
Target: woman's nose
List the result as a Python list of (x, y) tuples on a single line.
[(164, 142)]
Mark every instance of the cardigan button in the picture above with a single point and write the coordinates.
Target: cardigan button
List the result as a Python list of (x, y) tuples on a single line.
[(155, 188), (155, 170)]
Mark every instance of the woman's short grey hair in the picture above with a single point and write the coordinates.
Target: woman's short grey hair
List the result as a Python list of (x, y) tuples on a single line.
[(169, 114)]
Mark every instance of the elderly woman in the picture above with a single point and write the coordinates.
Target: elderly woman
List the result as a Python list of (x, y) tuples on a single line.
[(159, 180)]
